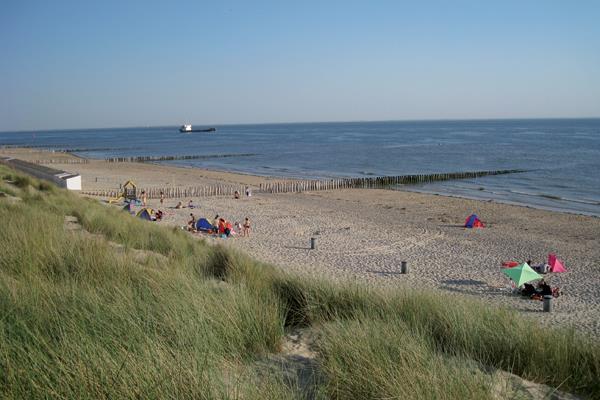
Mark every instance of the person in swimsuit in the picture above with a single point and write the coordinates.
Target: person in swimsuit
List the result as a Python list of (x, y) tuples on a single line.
[(246, 231), (192, 223)]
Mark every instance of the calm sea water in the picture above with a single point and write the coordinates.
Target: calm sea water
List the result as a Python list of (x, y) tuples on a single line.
[(562, 156)]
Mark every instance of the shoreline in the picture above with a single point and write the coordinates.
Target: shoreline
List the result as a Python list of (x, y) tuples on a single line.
[(216, 175), (364, 234), (507, 202), (400, 188)]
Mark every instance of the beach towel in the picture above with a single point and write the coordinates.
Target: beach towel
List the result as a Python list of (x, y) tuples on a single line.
[(510, 264)]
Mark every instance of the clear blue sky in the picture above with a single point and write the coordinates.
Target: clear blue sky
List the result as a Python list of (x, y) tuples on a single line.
[(68, 64)]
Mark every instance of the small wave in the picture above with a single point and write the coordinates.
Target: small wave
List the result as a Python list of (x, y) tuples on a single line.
[(523, 193), (559, 198), (545, 195), (583, 201), (549, 196)]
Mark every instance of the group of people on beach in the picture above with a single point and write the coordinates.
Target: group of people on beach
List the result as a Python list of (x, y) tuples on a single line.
[(221, 226), (180, 205), (541, 289), (236, 194)]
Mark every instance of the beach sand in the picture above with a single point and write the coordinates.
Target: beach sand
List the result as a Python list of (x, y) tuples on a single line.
[(363, 235)]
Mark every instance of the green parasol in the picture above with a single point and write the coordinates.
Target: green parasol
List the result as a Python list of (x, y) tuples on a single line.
[(521, 274)]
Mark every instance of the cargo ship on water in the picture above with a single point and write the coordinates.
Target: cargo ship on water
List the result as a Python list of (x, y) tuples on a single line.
[(188, 129)]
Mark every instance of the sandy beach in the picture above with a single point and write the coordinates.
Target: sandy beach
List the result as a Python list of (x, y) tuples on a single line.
[(363, 235)]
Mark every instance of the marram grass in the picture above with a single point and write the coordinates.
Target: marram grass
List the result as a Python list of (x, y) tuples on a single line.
[(124, 308)]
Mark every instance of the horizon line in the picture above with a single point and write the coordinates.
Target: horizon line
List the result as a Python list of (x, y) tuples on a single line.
[(305, 122)]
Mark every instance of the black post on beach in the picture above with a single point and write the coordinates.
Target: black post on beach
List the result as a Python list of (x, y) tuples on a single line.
[(547, 303), (403, 267), (313, 243)]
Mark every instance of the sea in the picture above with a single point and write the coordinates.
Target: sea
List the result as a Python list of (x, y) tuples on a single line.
[(561, 156)]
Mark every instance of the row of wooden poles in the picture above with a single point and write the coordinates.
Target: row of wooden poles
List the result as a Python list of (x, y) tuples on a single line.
[(172, 158), (304, 185), (372, 183), (56, 150), (62, 161), (175, 192)]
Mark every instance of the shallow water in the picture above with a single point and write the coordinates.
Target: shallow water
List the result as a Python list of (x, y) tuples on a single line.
[(562, 156)]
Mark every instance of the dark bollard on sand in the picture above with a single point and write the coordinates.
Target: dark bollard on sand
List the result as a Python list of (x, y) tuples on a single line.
[(547, 303)]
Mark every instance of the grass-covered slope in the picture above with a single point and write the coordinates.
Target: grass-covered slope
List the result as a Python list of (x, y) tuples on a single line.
[(123, 308)]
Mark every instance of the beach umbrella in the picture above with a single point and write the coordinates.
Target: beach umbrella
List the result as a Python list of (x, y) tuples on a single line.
[(521, 274)]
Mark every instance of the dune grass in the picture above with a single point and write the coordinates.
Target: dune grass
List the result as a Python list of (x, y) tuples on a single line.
[(128, 309)]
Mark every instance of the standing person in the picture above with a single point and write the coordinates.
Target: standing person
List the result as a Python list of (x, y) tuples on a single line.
[(192, 223), (248, 192), (162, 197), (216, 224), (144, 198), (246, 231)]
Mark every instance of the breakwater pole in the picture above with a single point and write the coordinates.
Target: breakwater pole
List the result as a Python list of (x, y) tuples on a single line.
[(380, 182), (174, 192), (173, 158)]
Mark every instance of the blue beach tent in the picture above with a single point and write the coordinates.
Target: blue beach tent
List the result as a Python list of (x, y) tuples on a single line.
[(473, 221), (203, 225)]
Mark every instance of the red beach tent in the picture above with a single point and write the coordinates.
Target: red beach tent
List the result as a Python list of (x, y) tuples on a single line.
[(555, 264)]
